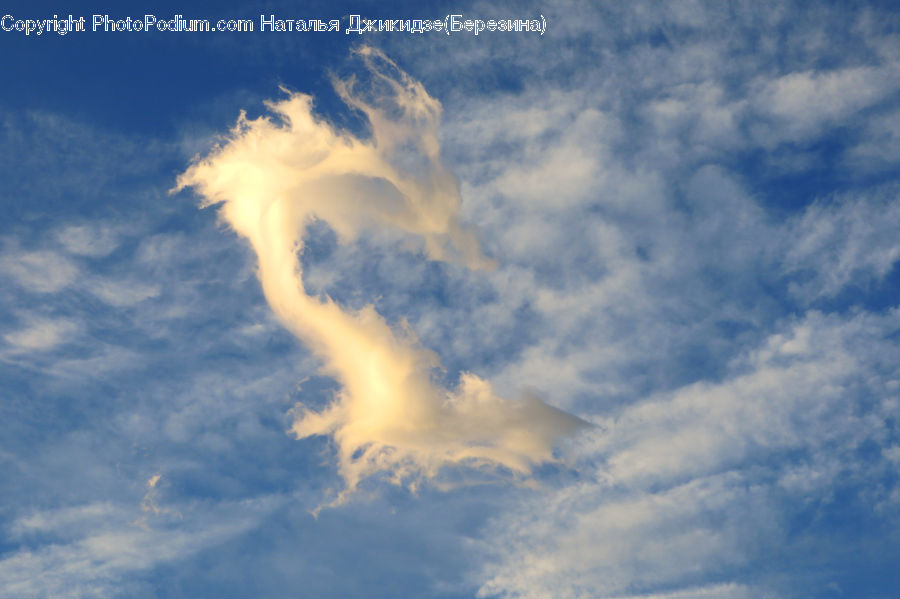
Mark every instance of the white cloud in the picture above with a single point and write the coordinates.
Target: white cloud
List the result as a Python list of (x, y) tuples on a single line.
[(879, 148), (640, 279), (42, 271), (98, 546), (702, 114), (122, 293), (845, 241), (587, 542), (88, 240), (803, 103), (712, 591), (681, 486), (41, 335), (272, 180)]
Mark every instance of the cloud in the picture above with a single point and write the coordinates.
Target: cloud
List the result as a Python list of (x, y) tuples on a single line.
[(849, 239), (713, 591), (879, 148), (801, 103), (88, 240), (150, 503), (272, 179), (41, 335), (122, 293), (651, 277), (41, 271), (738, 437), (96, 546), (595, 541), (697, 483)]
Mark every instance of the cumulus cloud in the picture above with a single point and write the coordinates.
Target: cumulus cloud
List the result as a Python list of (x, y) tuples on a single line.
[(275, 176)]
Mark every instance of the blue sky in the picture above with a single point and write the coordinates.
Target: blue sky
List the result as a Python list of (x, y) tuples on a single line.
[(673, 221)]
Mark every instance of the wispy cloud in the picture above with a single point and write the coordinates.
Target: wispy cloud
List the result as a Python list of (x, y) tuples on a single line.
[(692, 207), (802, 103), (273, 179), (41, 271), (88, 240), (123, 293), (699, 482), (97, 544), (843, 241), (41, 335)]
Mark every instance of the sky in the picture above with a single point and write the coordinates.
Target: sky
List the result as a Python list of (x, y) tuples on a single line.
[(607, 309)]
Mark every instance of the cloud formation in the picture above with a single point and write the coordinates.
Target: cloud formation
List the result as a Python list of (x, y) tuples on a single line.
[(272, 178)]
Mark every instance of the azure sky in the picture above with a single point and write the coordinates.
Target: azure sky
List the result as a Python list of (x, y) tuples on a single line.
[(345, 300)]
